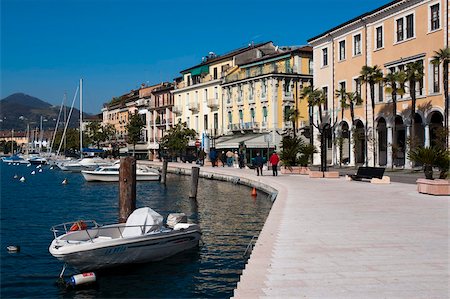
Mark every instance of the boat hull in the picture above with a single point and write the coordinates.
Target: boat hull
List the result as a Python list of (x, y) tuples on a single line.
[(92, 176), (123, 251)]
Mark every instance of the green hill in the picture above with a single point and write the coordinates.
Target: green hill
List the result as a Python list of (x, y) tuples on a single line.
[(19, 109)]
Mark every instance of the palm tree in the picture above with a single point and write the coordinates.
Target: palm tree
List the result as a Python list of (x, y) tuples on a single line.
[(443, 56), (293, 115), (394, 85), (371, 76), (342, 96), (353, 99), (414, 74)]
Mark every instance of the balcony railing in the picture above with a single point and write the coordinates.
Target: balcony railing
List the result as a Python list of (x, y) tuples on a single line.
[(177, 110), (213, 103), (244, 126), (257, 71), (194, 107)]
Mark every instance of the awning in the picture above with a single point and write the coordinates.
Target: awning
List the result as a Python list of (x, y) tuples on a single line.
[(262, 140), (200, 70)]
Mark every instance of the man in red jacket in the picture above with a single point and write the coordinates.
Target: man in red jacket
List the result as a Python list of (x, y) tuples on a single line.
[(274, 159)]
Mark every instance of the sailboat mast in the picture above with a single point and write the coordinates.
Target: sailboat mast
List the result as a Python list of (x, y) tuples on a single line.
[(81, 118), (40, 137), (28, 139)]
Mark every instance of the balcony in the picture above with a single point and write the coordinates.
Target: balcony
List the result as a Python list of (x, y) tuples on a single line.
[(257, 71), (142, 102), (177, 110), (247, 126), (213, 103), (194, 107)]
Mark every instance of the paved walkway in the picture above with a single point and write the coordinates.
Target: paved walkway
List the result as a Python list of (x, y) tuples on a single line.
[(331, 238)]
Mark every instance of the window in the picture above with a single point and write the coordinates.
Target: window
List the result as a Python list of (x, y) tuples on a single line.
[(357, 86), (215, 73), (325, 94), (357, 44), (263, 89), (405, 28), (434, 21), (264, 114), (435, 75), (216, 121), (287, 87), (216, 93), (230, 118), (342, 50), (409, 26), (252, 114), (241, 116), (205, 121), (380, 92), (379, 37), (325, 57), (205, 95), (400, 30)]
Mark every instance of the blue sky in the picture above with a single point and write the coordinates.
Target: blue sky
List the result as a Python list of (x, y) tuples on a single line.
[(47, 45)]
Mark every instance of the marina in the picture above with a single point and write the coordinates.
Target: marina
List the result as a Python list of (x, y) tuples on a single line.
[(211, 270)]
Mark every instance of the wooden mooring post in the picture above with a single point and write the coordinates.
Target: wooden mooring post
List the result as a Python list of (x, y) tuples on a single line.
[(164, 172), (194, 182), (127, 188)]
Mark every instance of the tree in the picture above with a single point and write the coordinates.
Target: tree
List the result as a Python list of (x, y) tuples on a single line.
[(342, 96), (443, 56), (292, 115), (371, 75), (97, 132), (134, 128), (395, 86), (414, 74), (317, 98), (177, 138)]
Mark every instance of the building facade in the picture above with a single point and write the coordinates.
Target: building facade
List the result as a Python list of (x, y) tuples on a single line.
[(390, 37)]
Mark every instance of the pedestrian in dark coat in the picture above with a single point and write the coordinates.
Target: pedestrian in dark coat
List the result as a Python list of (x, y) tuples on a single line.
[(213, 157), (258, 163)]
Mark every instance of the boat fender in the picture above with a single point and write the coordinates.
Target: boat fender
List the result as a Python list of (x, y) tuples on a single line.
[(78, 225), (82, 279)]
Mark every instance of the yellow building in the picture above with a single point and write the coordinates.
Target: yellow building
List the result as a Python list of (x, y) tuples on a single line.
[(198, 96), (259, 93), (389, 37)]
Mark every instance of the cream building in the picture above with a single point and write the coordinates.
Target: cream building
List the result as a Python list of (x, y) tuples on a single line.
[(389, 37)]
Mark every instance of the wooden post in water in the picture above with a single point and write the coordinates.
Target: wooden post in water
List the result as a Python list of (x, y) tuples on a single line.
[(194, 182), (127, 188), (164, 172)]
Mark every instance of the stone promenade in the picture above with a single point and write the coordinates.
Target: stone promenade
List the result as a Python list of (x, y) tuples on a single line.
[(332, 238)]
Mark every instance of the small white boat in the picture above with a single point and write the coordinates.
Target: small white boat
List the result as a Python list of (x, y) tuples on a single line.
[(87, 245), (111, 173), (83, 164)]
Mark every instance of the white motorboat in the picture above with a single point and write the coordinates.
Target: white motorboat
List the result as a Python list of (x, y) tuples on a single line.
[(87, 245), (111, 173), (83, 164)]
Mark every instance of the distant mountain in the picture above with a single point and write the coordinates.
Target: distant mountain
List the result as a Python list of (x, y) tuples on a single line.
[(19, 109)]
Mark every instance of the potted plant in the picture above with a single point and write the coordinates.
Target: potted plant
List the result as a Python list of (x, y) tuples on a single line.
[(430, 157), (306, 152), (290, 147)]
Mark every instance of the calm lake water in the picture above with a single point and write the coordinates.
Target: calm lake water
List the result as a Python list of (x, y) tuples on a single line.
[(227, 214)]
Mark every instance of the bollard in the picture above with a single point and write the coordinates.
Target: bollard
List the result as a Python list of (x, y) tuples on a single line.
[(164, 172), (127, 188), (194, 182)]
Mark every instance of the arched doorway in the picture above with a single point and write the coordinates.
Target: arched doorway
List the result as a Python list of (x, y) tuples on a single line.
[(437, 133), (344, 143), (419, 131), (382, 142), (399, 147), (359, 142)]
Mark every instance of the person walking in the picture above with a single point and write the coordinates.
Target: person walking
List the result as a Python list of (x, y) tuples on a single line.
[(222, 158), (230, 156), (201, 157), (274, 160), (241, 160), (213, 157), (258, 163)]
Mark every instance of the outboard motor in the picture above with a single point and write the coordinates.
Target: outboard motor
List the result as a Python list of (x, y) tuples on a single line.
[(175, 218)]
